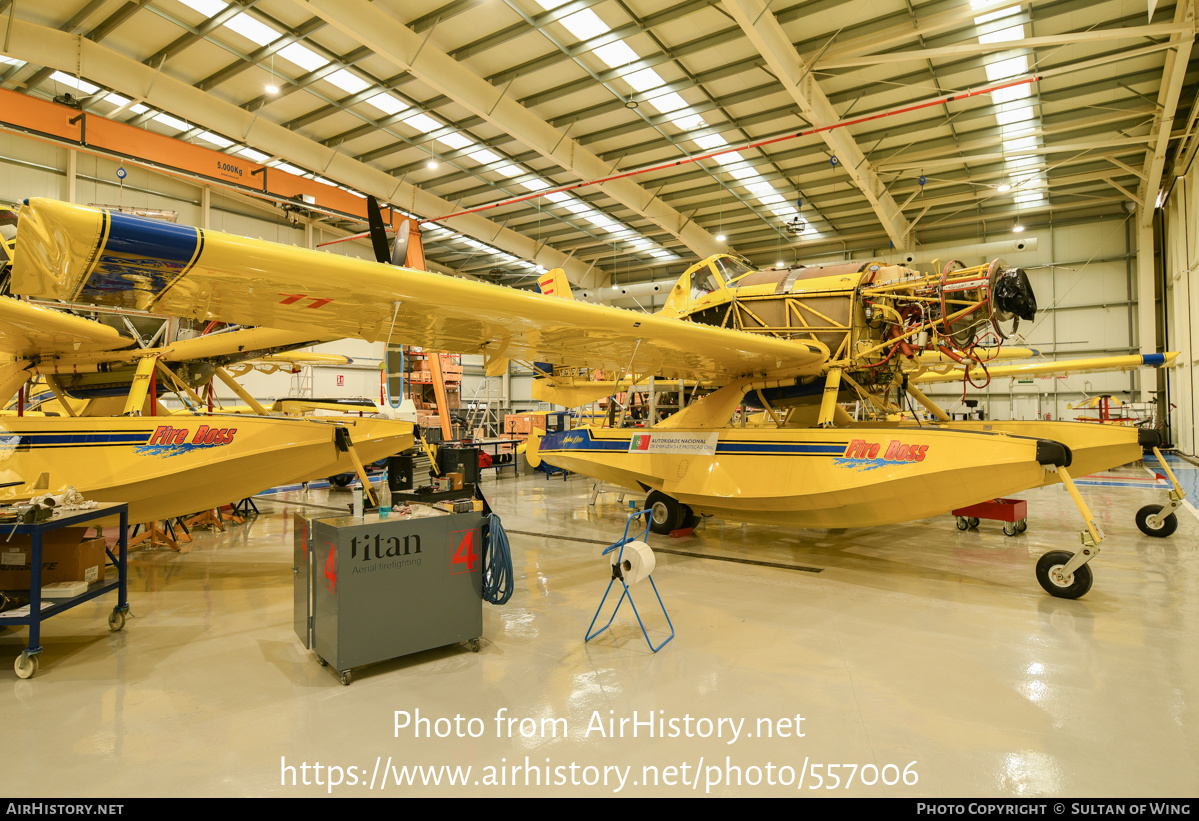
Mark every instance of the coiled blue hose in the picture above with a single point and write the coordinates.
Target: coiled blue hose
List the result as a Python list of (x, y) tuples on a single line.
[(497, 563)]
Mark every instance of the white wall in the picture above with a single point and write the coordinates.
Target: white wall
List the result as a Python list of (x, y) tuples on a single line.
[(1180, 212)]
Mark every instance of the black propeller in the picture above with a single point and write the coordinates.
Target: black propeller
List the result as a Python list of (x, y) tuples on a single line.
[(374, 219)]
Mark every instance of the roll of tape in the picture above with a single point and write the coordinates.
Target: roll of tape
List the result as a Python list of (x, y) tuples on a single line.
[(636, 561)]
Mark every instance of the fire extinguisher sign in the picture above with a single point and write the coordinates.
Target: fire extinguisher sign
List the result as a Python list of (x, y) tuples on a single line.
[(341, 380), (466, 551)]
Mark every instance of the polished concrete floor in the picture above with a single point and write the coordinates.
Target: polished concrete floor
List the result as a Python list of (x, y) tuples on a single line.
[(912, 660)]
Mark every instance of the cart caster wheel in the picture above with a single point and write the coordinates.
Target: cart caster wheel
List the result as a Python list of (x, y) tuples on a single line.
[(1022, 525), (962, 523), (347, 677), (973, 521), (474, 645), (1161, 528), (1071, 586), (322, 662), (28, 669), (116, 621), (1010, 529)]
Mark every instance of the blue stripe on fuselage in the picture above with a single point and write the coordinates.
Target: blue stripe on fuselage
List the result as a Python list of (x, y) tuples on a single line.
[(582, 440), (143, 248)]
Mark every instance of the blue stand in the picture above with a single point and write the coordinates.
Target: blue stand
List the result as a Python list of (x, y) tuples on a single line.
[(627, 594)]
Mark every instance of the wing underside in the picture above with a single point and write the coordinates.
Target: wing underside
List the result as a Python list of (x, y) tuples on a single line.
[(28, 331), (70, 252)]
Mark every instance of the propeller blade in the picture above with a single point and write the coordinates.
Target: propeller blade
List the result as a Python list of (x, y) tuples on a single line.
[(374, 218)]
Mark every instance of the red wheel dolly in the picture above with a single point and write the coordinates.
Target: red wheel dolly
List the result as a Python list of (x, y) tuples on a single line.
[(1012, 512)]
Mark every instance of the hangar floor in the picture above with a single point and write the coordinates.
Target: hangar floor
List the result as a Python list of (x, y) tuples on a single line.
[(927, 657)]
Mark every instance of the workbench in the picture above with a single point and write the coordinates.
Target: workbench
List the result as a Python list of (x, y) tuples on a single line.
[(26, 664)]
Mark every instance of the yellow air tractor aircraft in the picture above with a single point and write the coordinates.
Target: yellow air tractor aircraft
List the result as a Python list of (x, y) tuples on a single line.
[(793, 340), (97, 423)]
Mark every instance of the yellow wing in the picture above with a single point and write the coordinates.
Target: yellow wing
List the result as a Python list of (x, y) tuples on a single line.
[(71, 252), (27, 331), (1057, 366)]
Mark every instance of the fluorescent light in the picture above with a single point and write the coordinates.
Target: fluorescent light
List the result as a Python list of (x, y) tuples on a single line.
[(484, 156), (256, 156), (644, 79), (508, 170), (535, 185), (215, 139), (172, 122), (558, 196), (252, 29), (668, 102), (289, 168), (710, 141), (303, 57), (584, 24), (78, 85), (346, 81), (455, 141), (206, 7), (422, 122), (616, 54), (386, 103), (1006, 68)]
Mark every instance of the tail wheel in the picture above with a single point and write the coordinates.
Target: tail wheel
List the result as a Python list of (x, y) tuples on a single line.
[(1063, 585), (664, 514), (1161, 528)]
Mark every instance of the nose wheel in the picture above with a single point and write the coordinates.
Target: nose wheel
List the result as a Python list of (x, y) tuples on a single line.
[(1056, 577)]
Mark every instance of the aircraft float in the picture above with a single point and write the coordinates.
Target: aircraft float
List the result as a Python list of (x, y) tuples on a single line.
[(794, 340), (98, 423)]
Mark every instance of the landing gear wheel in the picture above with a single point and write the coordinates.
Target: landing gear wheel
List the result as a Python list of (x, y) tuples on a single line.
[(116, 621), (1010, 528), (1022, 525), (474, 645), (664, 513), (340, 481), (28, 669), (1049, 574), (1165, 526), (347, 677), (690, 519), (973, 522), (962, 523)]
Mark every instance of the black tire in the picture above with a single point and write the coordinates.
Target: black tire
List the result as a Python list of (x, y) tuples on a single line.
[(1075, 587), (974, 521), (1166, 528), (1022, 525), (341, 480), (962, 523), (663, 513), (690, 518)]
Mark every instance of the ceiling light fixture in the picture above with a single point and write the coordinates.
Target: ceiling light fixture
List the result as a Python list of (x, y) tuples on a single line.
[(432, 163), (1017, 228), (630, 104), (1004, 188), (271, 88)]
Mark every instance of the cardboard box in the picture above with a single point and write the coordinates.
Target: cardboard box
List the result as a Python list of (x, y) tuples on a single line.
[(456, 480), (64, 559)]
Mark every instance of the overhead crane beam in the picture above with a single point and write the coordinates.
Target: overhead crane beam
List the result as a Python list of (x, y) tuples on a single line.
[(389, 38), (73, 54), (768, 37)]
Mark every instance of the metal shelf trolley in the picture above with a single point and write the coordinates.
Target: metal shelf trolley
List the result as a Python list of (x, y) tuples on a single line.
[(26, 664)]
